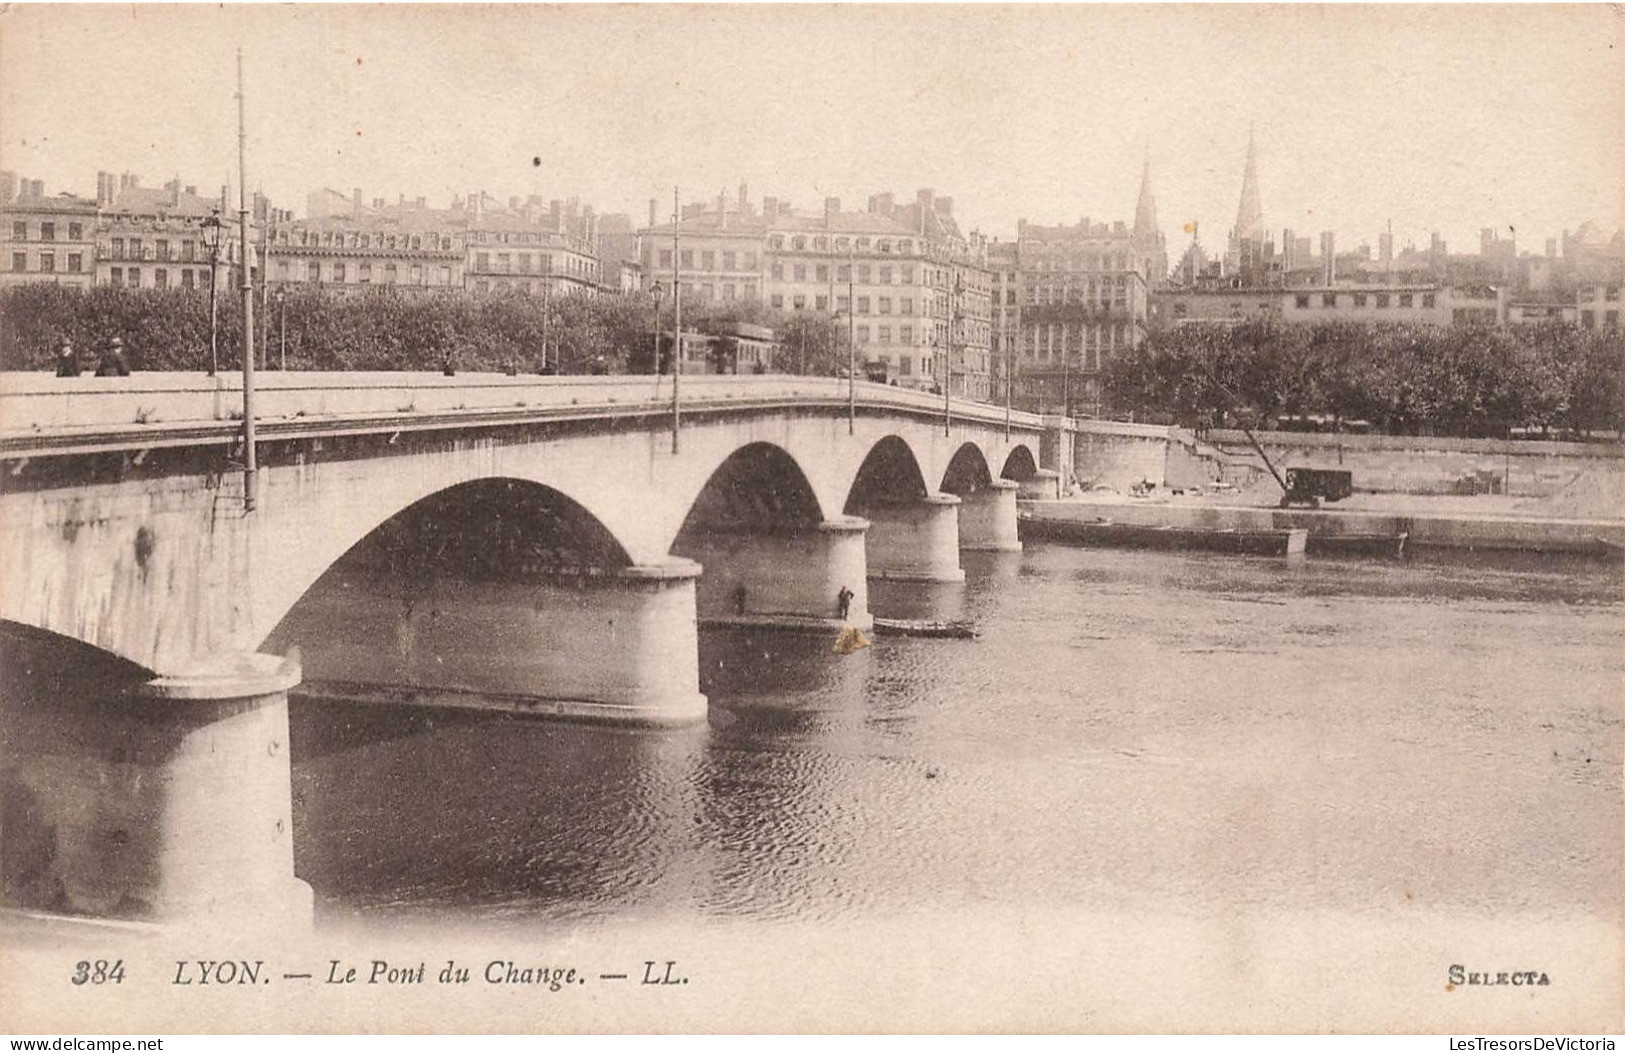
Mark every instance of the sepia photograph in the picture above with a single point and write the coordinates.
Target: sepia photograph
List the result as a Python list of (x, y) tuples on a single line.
[(806, 519)]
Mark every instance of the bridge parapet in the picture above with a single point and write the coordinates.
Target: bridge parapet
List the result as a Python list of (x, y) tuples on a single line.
[(35, 406)]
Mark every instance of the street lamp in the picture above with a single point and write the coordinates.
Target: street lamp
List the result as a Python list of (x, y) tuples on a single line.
[(282, 326), (211, 226), (659, 292)]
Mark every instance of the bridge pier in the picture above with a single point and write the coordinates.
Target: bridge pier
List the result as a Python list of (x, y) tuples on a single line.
[(987, 519), (169, 803), (1045, 485), (790, 576), (615, 645), (915, 541)]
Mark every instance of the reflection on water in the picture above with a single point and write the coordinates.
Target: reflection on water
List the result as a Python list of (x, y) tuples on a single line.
[(1131, 729)]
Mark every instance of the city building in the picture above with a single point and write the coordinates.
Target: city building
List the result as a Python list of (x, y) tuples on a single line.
[(1597, 306), (45, 239), (168, 238), (477, 245), (914, 291), (1423, 304)]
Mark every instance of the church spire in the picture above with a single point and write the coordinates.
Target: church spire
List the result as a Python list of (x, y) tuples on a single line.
[(1250, 215), (1145, 211)]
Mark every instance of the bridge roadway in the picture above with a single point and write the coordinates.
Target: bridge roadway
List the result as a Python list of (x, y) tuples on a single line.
[(531, 543)]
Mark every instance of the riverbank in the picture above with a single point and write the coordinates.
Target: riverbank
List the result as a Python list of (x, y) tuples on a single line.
[(1486, 522)]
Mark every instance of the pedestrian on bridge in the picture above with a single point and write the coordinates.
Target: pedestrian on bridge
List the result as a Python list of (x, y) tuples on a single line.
[(113, 363), (67, 360)]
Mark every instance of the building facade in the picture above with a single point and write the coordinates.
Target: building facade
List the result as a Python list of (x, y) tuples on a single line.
[(914, 292), (46, 239)]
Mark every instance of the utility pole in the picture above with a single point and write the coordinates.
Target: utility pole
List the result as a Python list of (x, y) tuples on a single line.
[(851, 341), (250, 460), (677, 305)]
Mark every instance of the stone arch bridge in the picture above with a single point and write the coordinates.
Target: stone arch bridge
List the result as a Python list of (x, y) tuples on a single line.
[(543, 543)]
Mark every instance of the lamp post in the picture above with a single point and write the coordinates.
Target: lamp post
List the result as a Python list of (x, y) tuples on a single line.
[(211, 240), (658, 291), (250, 455), (677, 322), (282, 326), (851, 344)]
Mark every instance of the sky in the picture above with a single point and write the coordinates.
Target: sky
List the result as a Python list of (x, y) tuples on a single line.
[(1445, 118)]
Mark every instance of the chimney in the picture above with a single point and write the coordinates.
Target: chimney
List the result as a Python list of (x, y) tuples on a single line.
[(925, 199), (355, 202), (653, 207), (174, 188), (832, 209), (225, 195), (1328, 258), (770, 209), (743, 199), (722, 210)]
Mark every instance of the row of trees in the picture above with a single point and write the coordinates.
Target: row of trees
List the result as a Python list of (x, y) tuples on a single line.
[(1403, 379), (169, 329)]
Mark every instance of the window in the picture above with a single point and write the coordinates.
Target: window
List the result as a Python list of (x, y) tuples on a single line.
[(47, 231), (905, 335), (665, 258), (688, 258), (1303, 300), (115, 276), (445, 275), (750, 261), (504, 263), (47, 262), (1328, 299), (801, 272), (135, 277), (1406, 300), (778, 301), (905, 246), (417, 274), (843, 303), (908, 275), (482, 261), (1588, 319), (863, 305), (1382, 299), (729, 292), (363, 272), (19, 230), (19, 261), (1611, 319), (823, 272), (314, 272), (163, 248), (863, 272), (1359, 299), (798, 244), (76, 262), (135, 249), (160, 278), (778, 270), (389, 273), (708, 260), (729, 260), (884, 333), (338, 272), (118, 248), (708, 293), (1611, 294), (1429, 300), (884, 304), (863, 334), (905, 365), (186, 279), (188, 251), (885, 275), (801, 303), (76, 232)]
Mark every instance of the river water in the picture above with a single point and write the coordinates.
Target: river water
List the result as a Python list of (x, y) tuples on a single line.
[(1133, 734)]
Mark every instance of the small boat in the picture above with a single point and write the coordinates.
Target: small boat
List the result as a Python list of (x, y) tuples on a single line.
[(851, 639), (1107, 533), (1390, 546), (954, 630)]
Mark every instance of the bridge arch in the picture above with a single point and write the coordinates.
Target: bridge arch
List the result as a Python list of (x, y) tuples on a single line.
[(1020, 465), (967, 471), (890, 473)]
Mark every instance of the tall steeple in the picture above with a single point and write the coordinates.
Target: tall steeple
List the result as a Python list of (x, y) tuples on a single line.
[(1250, 215), (1145, 211)]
